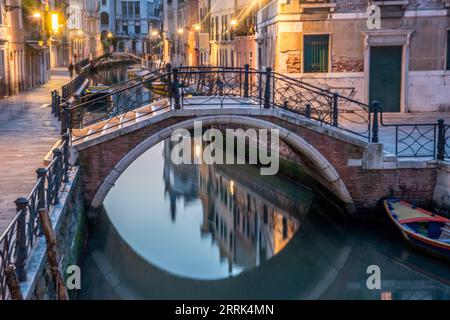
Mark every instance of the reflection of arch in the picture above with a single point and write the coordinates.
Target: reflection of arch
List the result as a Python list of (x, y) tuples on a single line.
[(310, 263), (322, 165), (104, 18)]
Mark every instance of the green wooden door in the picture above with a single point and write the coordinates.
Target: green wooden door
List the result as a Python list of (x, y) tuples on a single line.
[(385, 77)]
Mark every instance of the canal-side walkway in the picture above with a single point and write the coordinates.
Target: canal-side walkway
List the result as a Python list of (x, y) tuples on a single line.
[(27, 133)]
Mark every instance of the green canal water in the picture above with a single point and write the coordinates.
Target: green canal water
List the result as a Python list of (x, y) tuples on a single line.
[(225, 232)]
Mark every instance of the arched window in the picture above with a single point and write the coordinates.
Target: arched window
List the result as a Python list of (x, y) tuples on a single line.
[(104, 18)]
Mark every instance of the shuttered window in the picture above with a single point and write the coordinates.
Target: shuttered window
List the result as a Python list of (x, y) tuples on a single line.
[(315, 53)]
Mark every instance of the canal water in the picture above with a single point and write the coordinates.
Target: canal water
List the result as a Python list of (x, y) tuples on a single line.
[(226, 232)]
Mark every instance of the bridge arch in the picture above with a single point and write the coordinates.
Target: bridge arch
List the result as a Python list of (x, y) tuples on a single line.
[(324, 167)]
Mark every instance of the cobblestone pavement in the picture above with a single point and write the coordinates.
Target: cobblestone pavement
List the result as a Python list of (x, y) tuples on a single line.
[(27, 133)]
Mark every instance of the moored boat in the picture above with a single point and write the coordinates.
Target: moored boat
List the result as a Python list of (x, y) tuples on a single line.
[(421, 228)]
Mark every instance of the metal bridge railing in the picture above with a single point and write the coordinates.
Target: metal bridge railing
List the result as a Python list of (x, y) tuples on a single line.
[(19, 238), (420, 140), (225, 86)]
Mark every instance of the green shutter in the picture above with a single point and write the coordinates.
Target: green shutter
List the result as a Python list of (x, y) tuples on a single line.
[(316, 50)]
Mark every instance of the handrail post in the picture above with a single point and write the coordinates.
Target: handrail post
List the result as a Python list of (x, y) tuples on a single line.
[(57, 154), (375, 108), (246, 81), (53, 93), (62, 117), (66, 164), (58, 107), (441, 140), (308, 110), (66, 118), (41, 173), (176, 89), (21, 238), (335, 112), (169, 81), (267, 90)]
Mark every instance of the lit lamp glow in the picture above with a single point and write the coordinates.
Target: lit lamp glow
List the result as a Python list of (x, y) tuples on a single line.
[(196, 27), (180, 31), (154, 33), (37, 15), (55, 22), (109, 35), (233, 22)]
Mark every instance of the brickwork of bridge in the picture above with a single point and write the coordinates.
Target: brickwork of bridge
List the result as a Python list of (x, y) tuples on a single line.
[(357, 172)]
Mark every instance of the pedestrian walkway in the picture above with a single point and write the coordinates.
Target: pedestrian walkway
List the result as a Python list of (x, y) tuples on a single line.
[(27, 133)]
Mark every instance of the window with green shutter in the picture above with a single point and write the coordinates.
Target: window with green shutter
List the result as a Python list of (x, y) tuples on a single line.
[(316, 53)]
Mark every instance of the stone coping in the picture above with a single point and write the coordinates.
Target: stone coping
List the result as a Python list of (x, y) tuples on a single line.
[(230, 111)]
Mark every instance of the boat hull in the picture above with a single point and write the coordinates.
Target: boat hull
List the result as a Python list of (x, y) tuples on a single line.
[(431, 246)]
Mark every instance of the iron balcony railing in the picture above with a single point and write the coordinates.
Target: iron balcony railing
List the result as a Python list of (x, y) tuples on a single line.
[(19, 238)]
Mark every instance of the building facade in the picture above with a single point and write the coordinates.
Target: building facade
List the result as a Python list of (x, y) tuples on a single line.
[(396, 52), (211, 32), (12, 49), (135, 25), (83, 29), (181, 32)]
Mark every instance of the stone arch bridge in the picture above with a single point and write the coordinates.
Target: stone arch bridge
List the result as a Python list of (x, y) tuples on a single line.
[(335, 137)]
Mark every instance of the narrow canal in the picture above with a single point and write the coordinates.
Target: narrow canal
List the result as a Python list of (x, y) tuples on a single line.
[(226, 232)]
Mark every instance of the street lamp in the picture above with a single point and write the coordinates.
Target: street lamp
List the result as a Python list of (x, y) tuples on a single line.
[(55, 22), (109, 35), (37, 15), (196, 27), (233, 22), (180, 31)]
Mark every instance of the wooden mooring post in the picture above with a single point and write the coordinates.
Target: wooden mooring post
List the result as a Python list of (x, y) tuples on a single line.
[(52, 255), (12, 281)]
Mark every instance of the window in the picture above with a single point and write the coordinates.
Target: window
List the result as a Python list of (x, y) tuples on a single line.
[(316, 53), (125, 29), (124, 8), (104, 18), (130, 8), (137, 8), (104, 2), (448, 50), (137, 29)]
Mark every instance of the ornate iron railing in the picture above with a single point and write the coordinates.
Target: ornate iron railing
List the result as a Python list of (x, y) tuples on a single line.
[(19, 238), (81, 64), (412, 140), (325, 106), (226, 86), (70, 88), (127, 96)]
